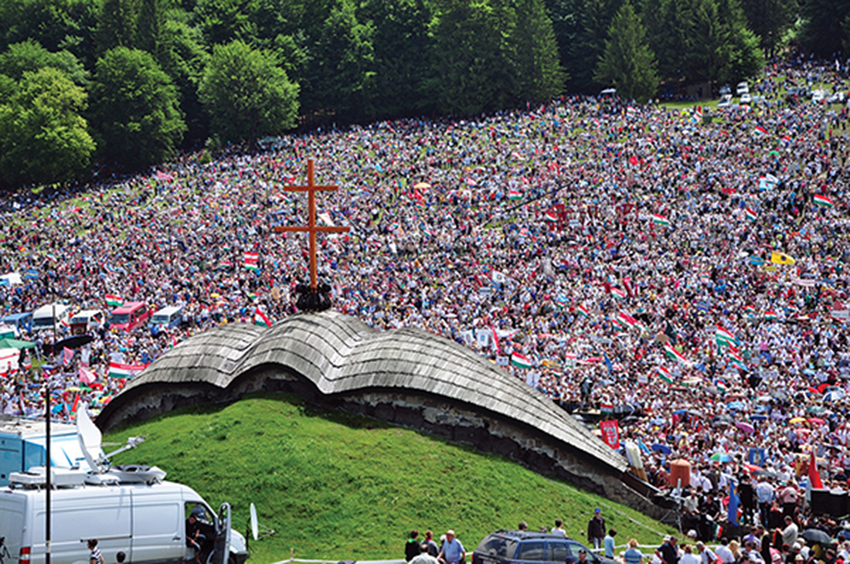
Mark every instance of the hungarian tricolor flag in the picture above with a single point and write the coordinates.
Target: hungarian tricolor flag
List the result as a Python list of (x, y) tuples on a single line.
[(251, 260), (671, 351), (113, 301), (118, 370), (261, 319), (660, 220), (750, 214), (822, 200), (582, 311), (724, 338), (626, 320), (514, 194), (550, 216), (770, 315), (664, 374), (759, 130), (618, 293), (520, 361)]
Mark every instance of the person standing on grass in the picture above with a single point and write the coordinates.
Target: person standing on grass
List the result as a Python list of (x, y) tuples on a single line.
[(429, 546), (452, 551), (609, 543), (412, 548), (633, 555), (596, 529)]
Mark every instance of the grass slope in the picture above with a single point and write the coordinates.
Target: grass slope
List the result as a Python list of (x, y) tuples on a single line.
[(336, 486)]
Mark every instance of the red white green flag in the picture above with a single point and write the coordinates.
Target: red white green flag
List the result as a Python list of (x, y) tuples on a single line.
[(664, 374), (582, 311), (520, 360), (671, 351), (119, 370), (261, 319), (724, 337), (514, 194), (113, 301), (251, 260), (823, 201), (618, 293), (660, 220), (750, 214), (770, 315)]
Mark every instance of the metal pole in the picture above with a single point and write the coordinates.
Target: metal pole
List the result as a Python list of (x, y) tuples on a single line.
[(48, 469), (54, 320)]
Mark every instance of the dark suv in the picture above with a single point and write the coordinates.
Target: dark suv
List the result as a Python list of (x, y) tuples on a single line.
[(523, 547)]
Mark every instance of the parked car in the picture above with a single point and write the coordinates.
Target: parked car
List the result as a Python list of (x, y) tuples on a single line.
[(86, 321), (746, 98), (725, 101), (725, 89), (742, 88), (524, 547), (818, 96)]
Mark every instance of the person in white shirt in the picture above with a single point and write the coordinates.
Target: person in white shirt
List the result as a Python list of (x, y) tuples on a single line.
[(706, 555), (724, 553), (688, 557)]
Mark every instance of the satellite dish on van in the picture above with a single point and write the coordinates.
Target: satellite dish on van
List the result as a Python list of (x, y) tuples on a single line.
[(90, 439), (255, 527)]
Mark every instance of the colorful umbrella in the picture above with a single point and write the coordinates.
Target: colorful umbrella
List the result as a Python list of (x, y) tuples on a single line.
[(745, 427), (797, 420), (721, 457)]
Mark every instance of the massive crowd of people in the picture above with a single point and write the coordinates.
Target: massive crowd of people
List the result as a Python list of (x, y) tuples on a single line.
[(685, 267)]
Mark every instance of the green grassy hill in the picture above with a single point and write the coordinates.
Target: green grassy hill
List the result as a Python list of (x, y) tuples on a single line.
[(336, 486)]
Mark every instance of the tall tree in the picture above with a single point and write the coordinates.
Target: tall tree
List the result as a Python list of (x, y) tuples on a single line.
[(593, 22), (470, 57), (135, 109), (222, 21), (30, 56), (539, 72), (340, 71), (43, 136), (770, 20), (400, 45), (117, 25), (247, 94), (185, 60), (823, 25), (151, 29), (627, 63)]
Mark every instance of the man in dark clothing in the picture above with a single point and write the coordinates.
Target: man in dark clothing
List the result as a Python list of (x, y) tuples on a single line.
[(412, 548), (596, 529), (668, 552), (748, 499)]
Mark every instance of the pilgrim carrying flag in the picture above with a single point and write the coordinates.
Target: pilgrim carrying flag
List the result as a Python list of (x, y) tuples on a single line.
[(520, 361), (671, 351), (251, 260), (823, 201), (261, 319), (781, 258), (734, 500)]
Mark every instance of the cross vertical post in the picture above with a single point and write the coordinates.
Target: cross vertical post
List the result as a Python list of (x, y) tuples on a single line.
[(311, 228)]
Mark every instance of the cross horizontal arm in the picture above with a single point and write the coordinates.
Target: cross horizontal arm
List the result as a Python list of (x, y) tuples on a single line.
[(306, 229), (308, 188)]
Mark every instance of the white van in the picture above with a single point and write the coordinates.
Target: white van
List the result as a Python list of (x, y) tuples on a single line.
[(127, 509), (167, 318), (43, 317), (86, 321)]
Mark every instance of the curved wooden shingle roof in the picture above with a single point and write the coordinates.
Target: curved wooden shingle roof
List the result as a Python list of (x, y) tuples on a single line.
[(341, 355)]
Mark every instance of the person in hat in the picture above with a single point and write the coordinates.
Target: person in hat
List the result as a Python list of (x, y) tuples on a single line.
[(452, 551), (596, 529)]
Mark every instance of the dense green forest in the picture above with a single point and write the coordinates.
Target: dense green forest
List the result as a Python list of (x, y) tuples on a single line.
[(124, 84)]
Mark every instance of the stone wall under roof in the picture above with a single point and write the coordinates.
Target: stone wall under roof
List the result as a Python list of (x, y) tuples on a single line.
[(407, 377)]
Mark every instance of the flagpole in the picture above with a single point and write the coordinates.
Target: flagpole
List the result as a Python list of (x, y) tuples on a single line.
[(47, 467)]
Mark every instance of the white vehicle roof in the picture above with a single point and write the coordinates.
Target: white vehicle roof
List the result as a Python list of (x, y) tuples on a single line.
[(168, 310), (85, 314), (47, 310)]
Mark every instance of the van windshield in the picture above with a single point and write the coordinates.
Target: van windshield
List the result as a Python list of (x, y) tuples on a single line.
[(120, 318), (159, 319)]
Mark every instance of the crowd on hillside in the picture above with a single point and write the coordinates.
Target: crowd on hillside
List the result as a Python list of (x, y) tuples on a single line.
[(632, 259)]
